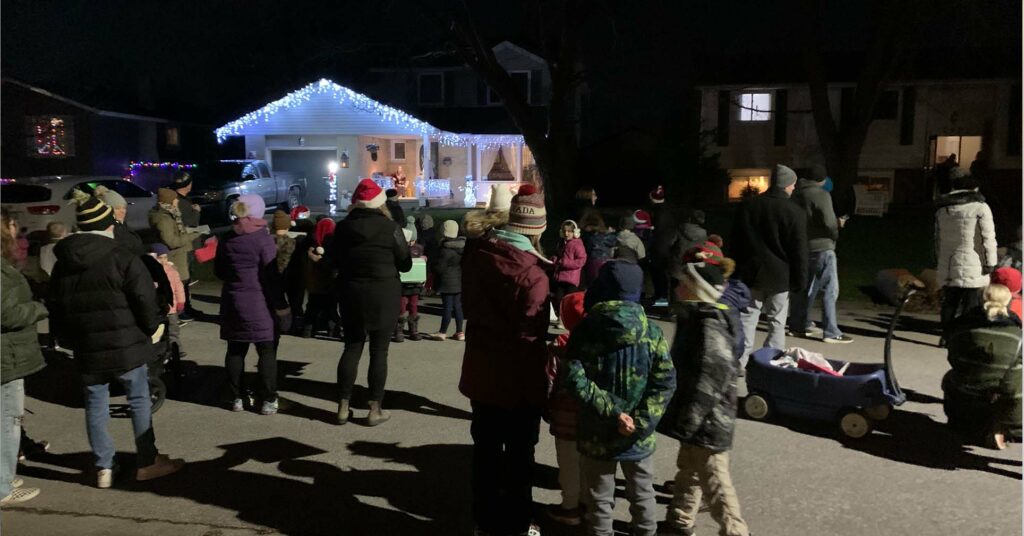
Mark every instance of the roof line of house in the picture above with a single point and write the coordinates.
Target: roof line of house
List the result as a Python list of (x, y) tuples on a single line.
[(894, 83), (86, 107)]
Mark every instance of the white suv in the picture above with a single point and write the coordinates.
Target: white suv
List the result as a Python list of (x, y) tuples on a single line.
[(36, 201)]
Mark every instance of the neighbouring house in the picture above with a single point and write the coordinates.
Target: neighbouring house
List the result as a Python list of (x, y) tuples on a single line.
[(48, 134)]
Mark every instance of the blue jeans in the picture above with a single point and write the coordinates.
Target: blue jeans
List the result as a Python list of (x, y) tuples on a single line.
[(823, 277), (12, 402), (97, 413), (451, 303)]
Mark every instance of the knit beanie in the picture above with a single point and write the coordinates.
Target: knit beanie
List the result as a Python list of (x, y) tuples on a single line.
[(817, 173), (705, 270), (110, 197), (571, 310), (449, 229), (527, 215), (368, 195), (166, 196), (426, 222), (410, 224), (159, 249), (616, 281), (657, 195), (501, 197), (282, 222), (391, 193), (255, 206), (783, 177), (92, 214), (182, 180)]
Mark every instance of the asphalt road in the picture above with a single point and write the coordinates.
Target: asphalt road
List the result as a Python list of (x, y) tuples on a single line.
[(297, 473)]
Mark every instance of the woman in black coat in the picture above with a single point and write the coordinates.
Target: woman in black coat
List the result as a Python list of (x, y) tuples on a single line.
[(370, 250)]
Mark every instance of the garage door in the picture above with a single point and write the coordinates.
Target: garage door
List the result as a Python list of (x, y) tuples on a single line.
[(311, 165)]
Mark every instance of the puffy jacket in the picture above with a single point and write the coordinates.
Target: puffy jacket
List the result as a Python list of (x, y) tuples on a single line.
[(769, 243), (965, 239), (128, 239), (569, 261), (505, 294), (618, 362), (598, 245), (103, 304), (822, 225), (703, 410), (19, 344), (665, 231), (737, 298), (447, 266), (247, 263), (178, 241), (177, 288)]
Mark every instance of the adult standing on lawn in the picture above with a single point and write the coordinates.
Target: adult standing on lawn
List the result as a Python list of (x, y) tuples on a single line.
[(505, 294), (20, 356), (253, 308), (770, 248), (369, 250), (965, 243), (168, 221), (664, 236), (103, 306), (822, 233)]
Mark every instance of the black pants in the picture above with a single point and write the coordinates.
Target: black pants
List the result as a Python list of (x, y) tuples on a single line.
[(321, 311), (660, 279), (503, 445), (348, 366), (559, 290), (955, 302), (234, 362)]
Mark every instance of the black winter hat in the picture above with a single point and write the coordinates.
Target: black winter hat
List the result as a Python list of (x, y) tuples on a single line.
[(92, 214)]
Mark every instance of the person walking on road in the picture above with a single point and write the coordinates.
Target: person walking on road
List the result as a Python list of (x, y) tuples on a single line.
[(770, 248), (369, 251), (103, 306)]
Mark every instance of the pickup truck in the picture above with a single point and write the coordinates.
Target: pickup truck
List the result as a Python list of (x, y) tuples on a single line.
[(220, 184)]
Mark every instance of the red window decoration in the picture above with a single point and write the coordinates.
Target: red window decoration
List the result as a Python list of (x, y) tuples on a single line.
[(51, 136)]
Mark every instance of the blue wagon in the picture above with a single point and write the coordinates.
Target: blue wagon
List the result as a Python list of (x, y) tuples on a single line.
[(864, 394)]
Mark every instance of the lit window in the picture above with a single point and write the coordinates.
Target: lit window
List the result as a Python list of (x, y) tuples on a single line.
[(172, 137), (398, 151), (755, 107), (742, 187), (50, 136), (431, 88)]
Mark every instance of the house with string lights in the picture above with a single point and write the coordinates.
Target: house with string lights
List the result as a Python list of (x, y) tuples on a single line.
[(304, 132)]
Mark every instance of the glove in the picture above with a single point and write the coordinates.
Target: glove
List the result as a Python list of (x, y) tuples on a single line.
[(284, 320)]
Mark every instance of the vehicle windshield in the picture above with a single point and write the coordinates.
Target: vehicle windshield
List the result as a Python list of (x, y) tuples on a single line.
[(24, 193), (221, 172)]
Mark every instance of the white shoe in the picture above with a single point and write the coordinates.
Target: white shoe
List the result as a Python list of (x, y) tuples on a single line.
[(104, 478), (20, 495), (17, 483)]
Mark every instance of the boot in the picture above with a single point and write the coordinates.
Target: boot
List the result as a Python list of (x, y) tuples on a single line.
[(399, 335), (343, 412), (377, 415), (414, 328)]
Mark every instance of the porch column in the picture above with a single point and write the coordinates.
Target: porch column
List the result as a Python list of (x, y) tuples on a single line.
[(469, 160), (479, 164), (426, 159), (519, 162)]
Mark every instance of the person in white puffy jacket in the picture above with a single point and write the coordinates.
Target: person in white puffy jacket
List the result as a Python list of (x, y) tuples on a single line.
[(965, 245)]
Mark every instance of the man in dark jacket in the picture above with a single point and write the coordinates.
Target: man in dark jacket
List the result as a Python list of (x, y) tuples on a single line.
[(770, 247), (822, 233), (190, 217), (104, 308), (394, 207), (664, 235)]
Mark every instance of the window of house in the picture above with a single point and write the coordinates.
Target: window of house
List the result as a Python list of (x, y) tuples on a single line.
[(755, 106), (742, 187), (172, 137), (520, 79), (50, 136), (888, 105), (431, 88), (398, 151)]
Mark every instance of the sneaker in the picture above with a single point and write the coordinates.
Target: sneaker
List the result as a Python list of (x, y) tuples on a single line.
[(437, 336), (184, 321), (842, 339), (460, 336), (565, 516), (20, 495), (269, 407), (238, 405), (809, 333), (162, 466), (17, 483), (105, 477)]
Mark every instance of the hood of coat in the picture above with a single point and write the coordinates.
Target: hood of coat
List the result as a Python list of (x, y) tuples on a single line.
[(81, 251), (959, 197), (508, 259), (693, 232), (458, 243), (248, 225), (622, 322), (807, 184), (736, 295)]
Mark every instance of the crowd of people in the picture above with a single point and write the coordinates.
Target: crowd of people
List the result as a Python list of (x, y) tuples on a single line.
[(609, 379)]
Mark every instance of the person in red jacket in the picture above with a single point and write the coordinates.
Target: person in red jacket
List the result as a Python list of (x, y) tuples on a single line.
[(505, 294)]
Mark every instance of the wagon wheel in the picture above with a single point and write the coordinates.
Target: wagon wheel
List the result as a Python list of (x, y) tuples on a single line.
[(880, 412), (855, 425), (157, 393), (756, 407)]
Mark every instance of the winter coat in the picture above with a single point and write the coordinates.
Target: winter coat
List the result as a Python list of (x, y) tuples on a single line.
[(19, 343), (628, 239), (177, 288), (689, 236), (369, 251), (247, 263), (285, 249), (822, 225), (189, 215), (965, 239), (563, 410), (128, 239), (177, 240), (769, 243), (703, 410), (985, 356), (618, 362), (319, 269), (665, 231), (447, 266), (598, 244), (397, 213), (737, 298), (428, 238), (505, 294), (103, 305), (569, 261)]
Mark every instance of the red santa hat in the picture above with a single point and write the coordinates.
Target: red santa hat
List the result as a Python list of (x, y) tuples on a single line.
[(657, 195), (368, 195), (642, 219), (300, 212)]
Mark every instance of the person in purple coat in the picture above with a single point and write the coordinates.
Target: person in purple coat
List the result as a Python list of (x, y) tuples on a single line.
[(253, 308)]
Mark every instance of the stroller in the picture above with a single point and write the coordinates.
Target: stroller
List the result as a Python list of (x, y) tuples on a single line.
[(166, 366)]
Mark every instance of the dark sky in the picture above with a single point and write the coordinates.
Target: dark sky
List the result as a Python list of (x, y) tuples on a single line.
[(210, 60)]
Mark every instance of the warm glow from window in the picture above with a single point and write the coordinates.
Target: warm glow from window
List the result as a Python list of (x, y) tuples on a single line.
[(172, 136), (755, 107), (750, 185)]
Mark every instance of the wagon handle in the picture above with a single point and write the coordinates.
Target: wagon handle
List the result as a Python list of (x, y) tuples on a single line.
[(890, 375)]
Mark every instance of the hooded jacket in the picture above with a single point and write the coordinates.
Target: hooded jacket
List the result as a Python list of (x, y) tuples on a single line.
[(177, 240), (618, 362), (703, 410), (569, 261), (505, 294), (769, 243), (447, 266), (965, 239), (736, 297), (247, 263), (19, 344), (822, 225), (103, 304), (617, 280)]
